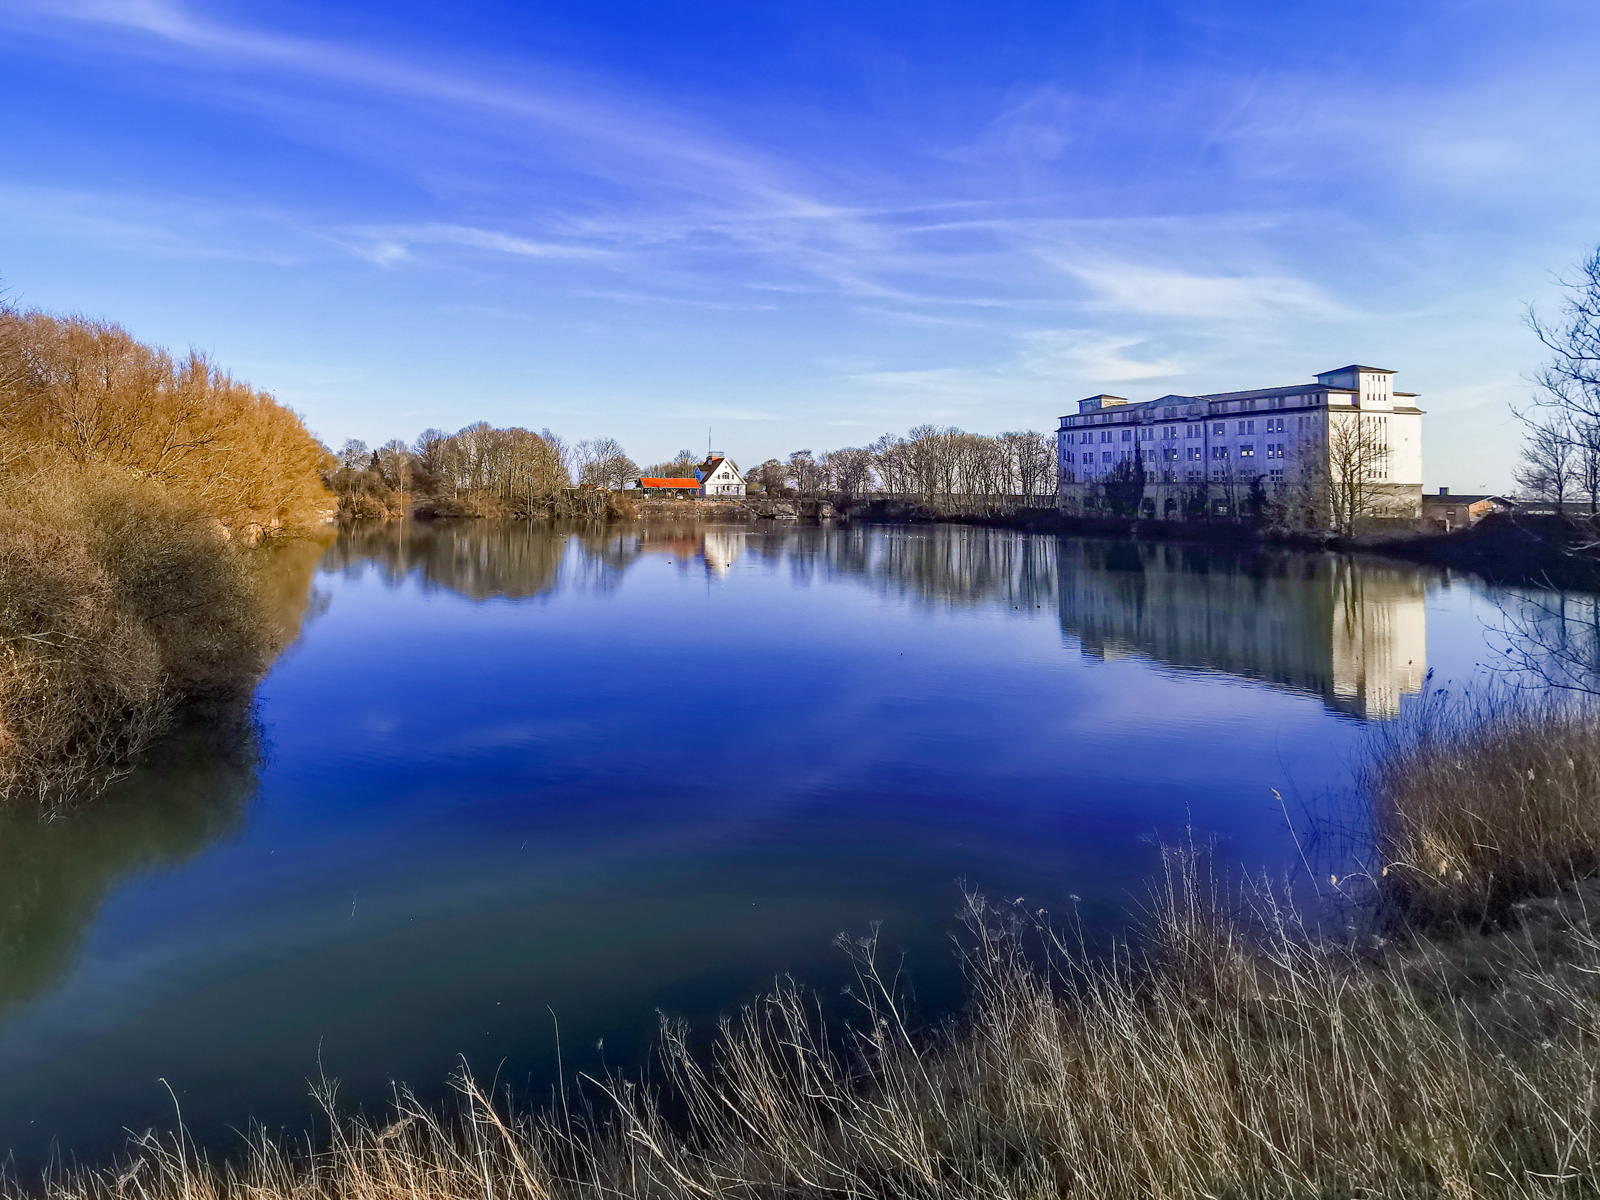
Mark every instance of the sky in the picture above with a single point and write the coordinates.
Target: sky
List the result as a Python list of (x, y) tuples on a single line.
[(802, 225)]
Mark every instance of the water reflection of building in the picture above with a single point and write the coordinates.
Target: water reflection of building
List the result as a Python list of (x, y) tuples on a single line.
[(721, 547), (1352, 632)]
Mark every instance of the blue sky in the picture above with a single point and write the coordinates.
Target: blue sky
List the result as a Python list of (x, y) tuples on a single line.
[(806, 224)]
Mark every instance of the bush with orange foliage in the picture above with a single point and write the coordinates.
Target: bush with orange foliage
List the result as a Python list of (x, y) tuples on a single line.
[(131, 490), (76, 394)]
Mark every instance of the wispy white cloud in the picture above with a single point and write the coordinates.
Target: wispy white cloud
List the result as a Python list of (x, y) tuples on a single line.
[(605, 131), (392, 244), (1157, 291), (159, 225), (1079, 355)]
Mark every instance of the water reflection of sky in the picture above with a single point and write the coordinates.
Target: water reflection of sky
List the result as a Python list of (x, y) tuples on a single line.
[(510, 771)]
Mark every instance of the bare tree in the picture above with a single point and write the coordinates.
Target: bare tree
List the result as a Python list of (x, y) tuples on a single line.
[(807, 475), (1550, 462), (354, 455), (770, 478), (394, 463), (681, 467), (1568, 397), (602, 463), (1358, 462), (1549, 640), (849, 471)]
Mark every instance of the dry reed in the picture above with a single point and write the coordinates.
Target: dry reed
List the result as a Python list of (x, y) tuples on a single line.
[(1480, 801)]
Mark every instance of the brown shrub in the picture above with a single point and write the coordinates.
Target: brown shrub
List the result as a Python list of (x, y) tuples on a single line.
[(1480, 802), (76, 393), (118, 605), (129, 484)]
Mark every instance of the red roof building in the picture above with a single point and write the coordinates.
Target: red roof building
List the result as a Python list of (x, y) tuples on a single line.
[(666, 484)]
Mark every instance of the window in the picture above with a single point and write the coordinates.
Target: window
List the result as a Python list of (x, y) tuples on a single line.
[(1276, 474), (1195, 454), (1247, 450), (1219, 452), (1169, 454), (1105, 436), (1105, 456), (1127, 435), (1220, 429)]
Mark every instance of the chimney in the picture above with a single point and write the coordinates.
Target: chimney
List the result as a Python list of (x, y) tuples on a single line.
[(1444, 491)]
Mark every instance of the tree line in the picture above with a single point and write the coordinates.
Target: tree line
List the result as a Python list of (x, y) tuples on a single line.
[(930, 463), (482, 470)]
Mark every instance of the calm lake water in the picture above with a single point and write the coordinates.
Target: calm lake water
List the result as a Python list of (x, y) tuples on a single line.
[(511, 776)]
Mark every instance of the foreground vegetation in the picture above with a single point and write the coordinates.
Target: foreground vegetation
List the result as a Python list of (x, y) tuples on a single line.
[(1448, 1046), (132, 489)]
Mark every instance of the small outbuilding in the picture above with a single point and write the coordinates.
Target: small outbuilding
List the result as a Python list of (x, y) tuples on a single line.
[(1462, 511), (676, 488)]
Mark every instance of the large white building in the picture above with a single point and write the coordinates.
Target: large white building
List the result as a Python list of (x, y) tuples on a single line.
[(1206, 452)]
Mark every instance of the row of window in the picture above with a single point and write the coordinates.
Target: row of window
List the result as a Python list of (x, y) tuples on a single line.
[(1190, 432), (1275, 475), (1229, 406), (1277, 450)]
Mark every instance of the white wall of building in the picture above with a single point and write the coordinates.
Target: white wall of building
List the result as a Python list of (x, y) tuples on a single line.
[(1275, 435)]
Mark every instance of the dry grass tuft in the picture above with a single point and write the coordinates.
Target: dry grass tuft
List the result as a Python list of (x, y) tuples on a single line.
[(1481, 802)]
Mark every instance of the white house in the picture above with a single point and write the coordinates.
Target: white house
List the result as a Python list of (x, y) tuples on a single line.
[(719, 478), (1216, 445)]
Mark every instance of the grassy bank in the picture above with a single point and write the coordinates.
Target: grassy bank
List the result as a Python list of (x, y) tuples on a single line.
[(1453, 1053), (133, 492)]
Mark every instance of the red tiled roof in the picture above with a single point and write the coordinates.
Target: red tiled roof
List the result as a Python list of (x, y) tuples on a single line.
[(652, 481)]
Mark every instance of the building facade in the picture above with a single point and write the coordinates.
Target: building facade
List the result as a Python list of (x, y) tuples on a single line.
[(1211, 454), (719, 478)]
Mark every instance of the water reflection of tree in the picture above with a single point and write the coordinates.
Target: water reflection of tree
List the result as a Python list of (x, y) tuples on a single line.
[(54, 875), (1549, 639), (481, 560), (190, 790), (958, 566)]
